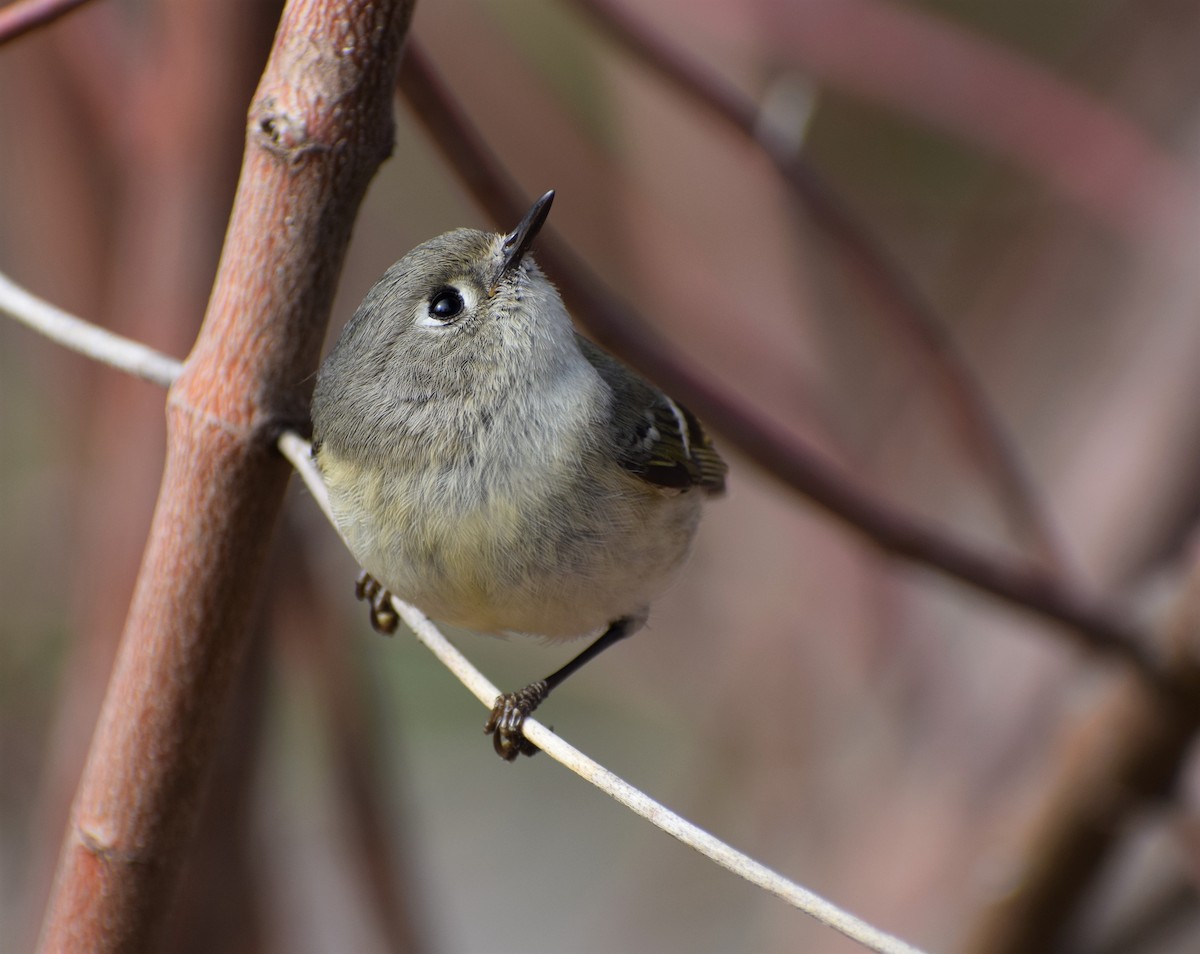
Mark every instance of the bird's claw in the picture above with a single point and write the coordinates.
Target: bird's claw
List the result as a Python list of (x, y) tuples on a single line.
[(384, 618), (508, 716)]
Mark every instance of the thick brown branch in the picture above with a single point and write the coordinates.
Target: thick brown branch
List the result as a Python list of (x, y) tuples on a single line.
[(800, 467), (319, 127)]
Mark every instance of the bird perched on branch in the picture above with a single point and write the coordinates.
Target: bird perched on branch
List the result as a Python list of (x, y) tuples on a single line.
[(497, 470)]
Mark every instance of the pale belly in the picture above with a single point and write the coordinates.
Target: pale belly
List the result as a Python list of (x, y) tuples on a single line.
[(529, 565)]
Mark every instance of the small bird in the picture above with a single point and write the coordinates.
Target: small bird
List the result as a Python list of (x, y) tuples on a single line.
[(496, 469)]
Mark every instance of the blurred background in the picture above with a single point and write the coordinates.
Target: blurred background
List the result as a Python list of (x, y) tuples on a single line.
[(875, 731)]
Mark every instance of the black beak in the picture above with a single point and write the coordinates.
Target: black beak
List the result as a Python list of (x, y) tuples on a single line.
[(517, 242)]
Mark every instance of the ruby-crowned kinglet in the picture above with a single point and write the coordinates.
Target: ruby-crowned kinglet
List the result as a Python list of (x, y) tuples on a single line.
[(495, 469)]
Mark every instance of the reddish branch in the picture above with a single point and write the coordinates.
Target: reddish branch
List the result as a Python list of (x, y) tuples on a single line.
[(897, 298), (156, 135), (19, 18), (1125, 754), (319, 126), (615, 325)]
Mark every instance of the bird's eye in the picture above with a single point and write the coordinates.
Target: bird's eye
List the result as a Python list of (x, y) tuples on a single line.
[(446, 304)]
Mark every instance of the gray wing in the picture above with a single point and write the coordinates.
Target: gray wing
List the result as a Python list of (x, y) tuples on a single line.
[(659, 439)]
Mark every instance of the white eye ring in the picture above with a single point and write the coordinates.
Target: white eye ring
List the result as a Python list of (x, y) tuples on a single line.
[(445, 306)]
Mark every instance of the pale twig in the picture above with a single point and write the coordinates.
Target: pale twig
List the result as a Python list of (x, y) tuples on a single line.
[(657, 814), (129, 356), (298, 451)]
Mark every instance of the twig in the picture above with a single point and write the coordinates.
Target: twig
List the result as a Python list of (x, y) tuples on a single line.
[(659, 815), (297, 450), (897, 297), (614, 324), (88, 339), (19, 18)]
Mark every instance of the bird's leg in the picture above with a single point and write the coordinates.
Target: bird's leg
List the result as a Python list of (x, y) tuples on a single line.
[(379, 600), (512, 708)]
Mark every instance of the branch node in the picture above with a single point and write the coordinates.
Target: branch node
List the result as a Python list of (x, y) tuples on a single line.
[(282, 133), (97, 842)]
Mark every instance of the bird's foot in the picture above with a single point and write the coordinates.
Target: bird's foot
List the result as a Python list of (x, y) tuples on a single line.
[(383, 615), (508, 716)]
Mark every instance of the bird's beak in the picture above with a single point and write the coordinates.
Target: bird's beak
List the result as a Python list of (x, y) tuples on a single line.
[(517, 242)]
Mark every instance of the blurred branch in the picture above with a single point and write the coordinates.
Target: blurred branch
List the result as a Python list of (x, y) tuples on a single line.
[(319, 127), (1160, 918), (955, 80), (1094, 624), (897, 298), (112, 349), (152, 98), (307, 621), (1127, 753), (118, 99), (19, 18)]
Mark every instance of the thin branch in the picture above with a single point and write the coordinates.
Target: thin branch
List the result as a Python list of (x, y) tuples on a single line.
[(897, 297), (298, 451), (91, 340), (923, 65), (19, 18), (659, 815), (615, 325)]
